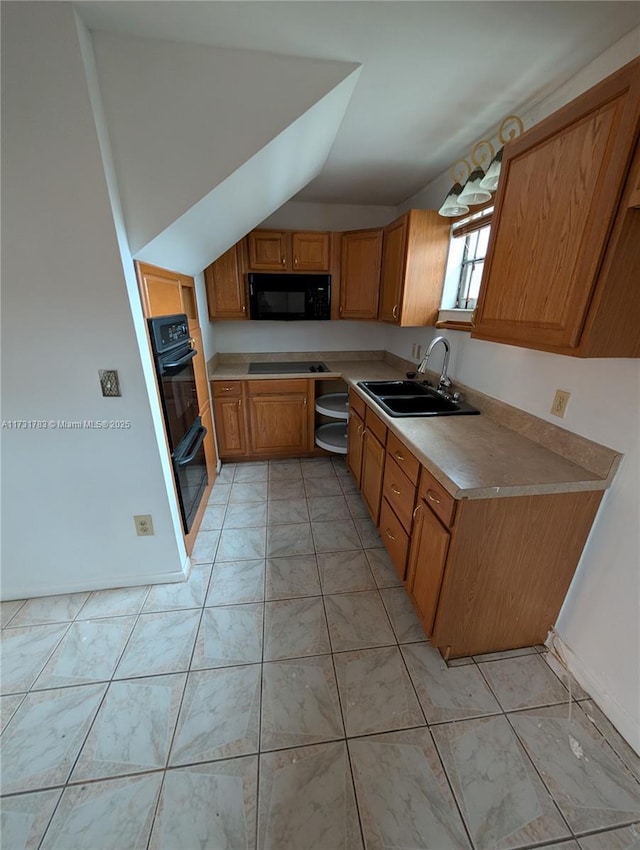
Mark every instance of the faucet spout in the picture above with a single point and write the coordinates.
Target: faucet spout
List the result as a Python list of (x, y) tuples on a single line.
[(444, 382)]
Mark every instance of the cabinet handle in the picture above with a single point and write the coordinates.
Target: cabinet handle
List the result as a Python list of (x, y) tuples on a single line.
[(416, 510), (360, 430), (228, 389), (432, 497), (295, 261), (390, 535), (192, 342), (341, 309), (399, 457), (304, 401), (394, 312), (239, 402), (282, 262), (395, 490), (244, 309)]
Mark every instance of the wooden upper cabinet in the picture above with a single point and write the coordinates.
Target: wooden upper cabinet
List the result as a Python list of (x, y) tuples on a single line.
[(310, 251), (226, 290), (414, 256), (165, 293), (563, 253), (268, 250), (289, 251), (361, 259)]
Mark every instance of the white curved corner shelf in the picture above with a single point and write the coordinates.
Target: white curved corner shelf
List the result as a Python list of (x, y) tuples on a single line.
[(335, 405), (332, 437)]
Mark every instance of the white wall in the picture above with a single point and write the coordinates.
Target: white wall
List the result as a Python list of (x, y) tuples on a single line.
[(68, 495), (208, 141), (600, 620), (302, 215), (247, 337)]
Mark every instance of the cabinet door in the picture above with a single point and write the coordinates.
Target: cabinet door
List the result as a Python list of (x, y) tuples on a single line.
[(230, 427), (393, 265), (160, 290), (559, 190), (310, 251), (372, 473), (360, 274), (427, 558), (268, 250), (226, 295), (354, 445), (279, 423)]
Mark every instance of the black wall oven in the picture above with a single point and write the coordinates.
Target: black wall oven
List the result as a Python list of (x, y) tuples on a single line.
[(173, 356)]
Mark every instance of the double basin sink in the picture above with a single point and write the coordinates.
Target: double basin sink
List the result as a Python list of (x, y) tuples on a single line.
[(409, 398)]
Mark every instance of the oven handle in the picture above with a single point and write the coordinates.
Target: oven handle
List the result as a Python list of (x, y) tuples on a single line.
[(188, 356), (201, 434)]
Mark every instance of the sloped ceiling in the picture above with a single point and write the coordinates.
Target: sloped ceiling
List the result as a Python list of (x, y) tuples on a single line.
[(207, 142)]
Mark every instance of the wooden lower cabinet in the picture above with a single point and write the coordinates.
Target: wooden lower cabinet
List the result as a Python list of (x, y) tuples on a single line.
[(231, 426), (484, 575), (267, 418), (279, 417), (373, 455), (427, 558), (355, 429)]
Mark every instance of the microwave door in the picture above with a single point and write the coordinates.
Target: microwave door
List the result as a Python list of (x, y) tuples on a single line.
[(281, 304)]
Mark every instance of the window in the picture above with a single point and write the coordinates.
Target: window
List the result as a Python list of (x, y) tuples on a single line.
[(467, 252), (474, 252)]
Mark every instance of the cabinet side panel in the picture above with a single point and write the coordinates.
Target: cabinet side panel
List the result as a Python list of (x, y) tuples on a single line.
[(509, 567), (427, 253)]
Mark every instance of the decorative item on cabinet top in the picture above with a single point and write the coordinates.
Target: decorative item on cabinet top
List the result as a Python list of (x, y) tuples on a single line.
[(483, 179)]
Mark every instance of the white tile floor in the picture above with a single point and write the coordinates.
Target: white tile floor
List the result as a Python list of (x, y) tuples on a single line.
[(284, 698)]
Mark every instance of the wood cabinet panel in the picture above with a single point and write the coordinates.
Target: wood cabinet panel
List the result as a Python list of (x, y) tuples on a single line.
[(226, 290), (439, 500), (279, 423), (355, 427), (375, 425), (360, 274), (509, 566), (222, 389), (310, 251), (200, 369), (394, 537), (407, 461), (394, 256), (558, 222), (268, 250), (373, 455), (210, 453), (230, 427), (414, 256), (427, 559), (399, 491)]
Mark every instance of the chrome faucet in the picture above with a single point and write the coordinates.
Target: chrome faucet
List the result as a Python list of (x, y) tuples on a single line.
[(444, 382)]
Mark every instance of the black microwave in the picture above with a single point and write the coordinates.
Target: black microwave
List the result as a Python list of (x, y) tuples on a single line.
[(286, 297)]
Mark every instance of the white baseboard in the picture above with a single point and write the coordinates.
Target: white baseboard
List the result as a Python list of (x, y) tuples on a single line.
[(80, 585), (626, 724)]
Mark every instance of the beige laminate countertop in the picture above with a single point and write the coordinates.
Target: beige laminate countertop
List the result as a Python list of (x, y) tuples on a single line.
[(473, 457)]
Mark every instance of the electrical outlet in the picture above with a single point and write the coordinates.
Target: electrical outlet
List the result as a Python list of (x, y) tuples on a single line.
[(144, 525), (560, 402)]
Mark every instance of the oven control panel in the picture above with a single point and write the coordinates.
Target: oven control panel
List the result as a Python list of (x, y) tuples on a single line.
[(168, 331)]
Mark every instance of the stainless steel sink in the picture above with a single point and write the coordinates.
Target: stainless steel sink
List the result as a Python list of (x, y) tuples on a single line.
[(408, 398)]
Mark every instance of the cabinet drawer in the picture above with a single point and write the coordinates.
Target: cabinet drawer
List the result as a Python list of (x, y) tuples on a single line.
[(269, 387), (356, 403), (394, 537), (441, 503), (399, 491), (220, 389), (403, 457), (375, 425)]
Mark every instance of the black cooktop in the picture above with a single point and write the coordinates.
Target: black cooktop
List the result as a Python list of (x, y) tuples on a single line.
[(285, 368)]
